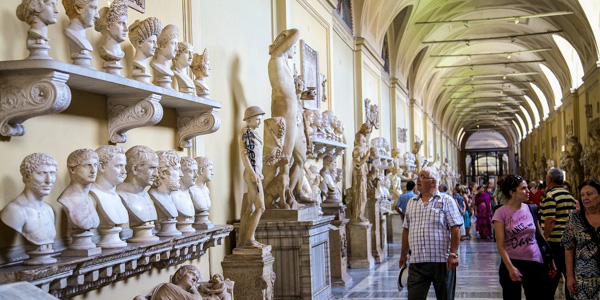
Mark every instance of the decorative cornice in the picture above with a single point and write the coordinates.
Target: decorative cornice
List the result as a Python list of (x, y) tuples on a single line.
[(363, 44)]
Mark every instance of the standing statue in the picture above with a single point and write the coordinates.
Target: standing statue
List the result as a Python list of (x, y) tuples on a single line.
[(142, 35), (276, 166), (169, 174), (201, 194), (112, 212), (167, 48), (81, 213), (83, 14), (182, 60), (182, 198), (142, 170), (253, 204), (201, 69), (112, 24), (28, 214), (38, 14), (576, 168)]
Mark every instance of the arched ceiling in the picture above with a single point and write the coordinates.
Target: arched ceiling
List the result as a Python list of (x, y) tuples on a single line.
[(470, 63)]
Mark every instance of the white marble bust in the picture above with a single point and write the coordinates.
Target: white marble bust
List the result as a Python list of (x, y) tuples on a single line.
[(83, 14), (143, 35), (38, 14), (183, 59), (329, 174), (201, 194), (167, 48), (201, 69), (111, 172), (112, 24), (169, 174), (182, 197)]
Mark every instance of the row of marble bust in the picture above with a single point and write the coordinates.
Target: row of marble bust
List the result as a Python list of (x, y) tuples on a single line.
[(108, 189), (324, 125), (150, 39)]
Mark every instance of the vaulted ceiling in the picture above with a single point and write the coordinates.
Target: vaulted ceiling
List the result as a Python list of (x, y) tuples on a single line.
[(470, 63)]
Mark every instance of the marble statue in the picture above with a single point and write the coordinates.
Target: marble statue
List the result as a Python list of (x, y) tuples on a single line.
[(182, 198), (38, 14), (338, 129), (167, 49), (169, 175), (201, 69), (112, 24), (310, 121), (318, 123), (110, 208), (28, 215), (576, 167), (201, 194), (327, 119), (142, 170), (187, 284), (311, 190), (395, 174), (143, 35), (329, 188), (183, 59), (253, 205), (83, 14), (79, 207), (542, 168), (276, 166)]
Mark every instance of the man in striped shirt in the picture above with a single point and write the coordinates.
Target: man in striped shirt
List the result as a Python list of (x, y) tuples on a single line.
[(555, 209)]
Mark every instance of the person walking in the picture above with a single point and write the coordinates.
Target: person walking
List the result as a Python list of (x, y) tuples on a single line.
[(432, 234), (403, 199), (484, 213)]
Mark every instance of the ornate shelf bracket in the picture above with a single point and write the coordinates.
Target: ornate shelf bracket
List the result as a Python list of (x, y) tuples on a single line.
[(24, 96), (195, 122), (322, 147), (126, 113)]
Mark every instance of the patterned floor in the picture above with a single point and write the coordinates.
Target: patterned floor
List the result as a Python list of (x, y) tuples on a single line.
[(477, 276)]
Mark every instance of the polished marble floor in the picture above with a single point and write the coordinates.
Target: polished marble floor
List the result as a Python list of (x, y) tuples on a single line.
[(477, 276)]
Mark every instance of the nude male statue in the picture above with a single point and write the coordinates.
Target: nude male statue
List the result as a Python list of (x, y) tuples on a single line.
[(201, 194)]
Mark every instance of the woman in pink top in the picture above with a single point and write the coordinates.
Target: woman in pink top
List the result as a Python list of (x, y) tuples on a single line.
[(522, 263)]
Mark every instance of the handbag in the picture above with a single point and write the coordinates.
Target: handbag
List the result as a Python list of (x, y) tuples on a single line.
[(545, 249)]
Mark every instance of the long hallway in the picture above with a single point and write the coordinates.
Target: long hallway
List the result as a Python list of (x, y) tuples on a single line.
[(477, 276)]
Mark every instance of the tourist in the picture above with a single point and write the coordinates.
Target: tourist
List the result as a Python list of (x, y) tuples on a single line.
[(484, 213)]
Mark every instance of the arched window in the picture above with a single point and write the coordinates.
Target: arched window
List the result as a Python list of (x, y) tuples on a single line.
[(556, 89), (536, 112), (518, 130), (542, 98), (591, 8), (572, 58), (523, 127), (527, 118)]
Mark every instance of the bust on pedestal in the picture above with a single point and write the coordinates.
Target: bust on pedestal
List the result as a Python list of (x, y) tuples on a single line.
[(201, 194), (182, 197), (183, 59), (142, 166), (328, 185), (167, 48), (169, 174), (142, 35), (28, 214), (201, 69), (112, 212), (81, 213), (83, 14), (112, 24), (38, 14)]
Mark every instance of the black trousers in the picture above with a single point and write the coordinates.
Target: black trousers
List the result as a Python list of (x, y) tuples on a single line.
[(535, 281), (561, 268), (421, 275)]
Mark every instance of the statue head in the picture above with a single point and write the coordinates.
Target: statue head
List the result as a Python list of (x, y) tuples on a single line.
[(217, 278), (39, 173), (167, 41), (183, 56), (111, 164), (329, 163), (205, 169), (142, 35), (83, 165), (169, 170), (253, 116), (200, 64), (186, 277), (46, 11), (113, 20), (142, 164), (285, 43), (189, 168), (86, 11)]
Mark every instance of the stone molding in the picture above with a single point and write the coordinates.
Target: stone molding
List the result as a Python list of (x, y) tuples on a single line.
[(192, 123), (125, 114), (322, 147)]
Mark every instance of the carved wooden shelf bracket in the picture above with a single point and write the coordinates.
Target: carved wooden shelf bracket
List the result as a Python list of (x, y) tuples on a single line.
[(125, 114), (194, 122)]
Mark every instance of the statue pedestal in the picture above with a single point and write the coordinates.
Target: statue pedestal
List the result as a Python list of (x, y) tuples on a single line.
[(38, 49), (294, 214), (109, 238), (202, 221), (168, 228), (394, 227), (112, 67), (143, 233), (82, 59), (163, 81), (338, 243), (139, 75), (373, 213), (40, 255), (82, 245), (184, 224), (360, 256), (252, 271)]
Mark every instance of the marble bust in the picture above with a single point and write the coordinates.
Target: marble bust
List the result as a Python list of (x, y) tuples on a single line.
[(38, 14), (169, 174), (183, 59), (142, 170), (143, 35), (82, 165), (182, 197), (112, 212), (328, 185), (83, 14), (167, 48), (201, 194), (112, 24), (28, 214), (201, 69)]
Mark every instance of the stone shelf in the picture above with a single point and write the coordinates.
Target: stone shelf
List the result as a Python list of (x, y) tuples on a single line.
[(322, 147), (72, 276), (387, 162), (33, 88)]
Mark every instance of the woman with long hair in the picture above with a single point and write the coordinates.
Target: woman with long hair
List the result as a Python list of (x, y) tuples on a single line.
[(463, 190), (484, 213), (522, 264)]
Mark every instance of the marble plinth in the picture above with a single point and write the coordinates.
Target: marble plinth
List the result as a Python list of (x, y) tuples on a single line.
[(334, 209), (109, 238), (184, 225), (299, 214), (339, 253), (360, 256), (394, 228), (40, 255), (201, 221), (168, 228), (301, 251), (143, 233), (252, 272), (373, 213), (82, 245)]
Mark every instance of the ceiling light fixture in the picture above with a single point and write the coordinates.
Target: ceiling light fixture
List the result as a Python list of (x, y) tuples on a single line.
[(493, 63), (508, 18), (492, 75), (517, 20), (508, 54), (492, 38)]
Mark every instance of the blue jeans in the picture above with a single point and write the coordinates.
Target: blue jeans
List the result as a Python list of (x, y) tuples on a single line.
[(421, 275)]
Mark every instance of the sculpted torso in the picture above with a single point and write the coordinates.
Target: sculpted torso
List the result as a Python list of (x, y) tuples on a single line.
[(110, 208), (139, 206), (76, 38), (164, 203), (81, 212), (183, 202), (35, 224), (201, 198)]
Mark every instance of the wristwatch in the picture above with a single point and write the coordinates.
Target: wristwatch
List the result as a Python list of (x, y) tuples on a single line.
[(454, 254)]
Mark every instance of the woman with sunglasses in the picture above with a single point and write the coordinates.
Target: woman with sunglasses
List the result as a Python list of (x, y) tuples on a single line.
[(522, 264)]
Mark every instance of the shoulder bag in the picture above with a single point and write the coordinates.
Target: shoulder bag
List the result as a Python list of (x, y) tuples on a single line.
[(545, 249)]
